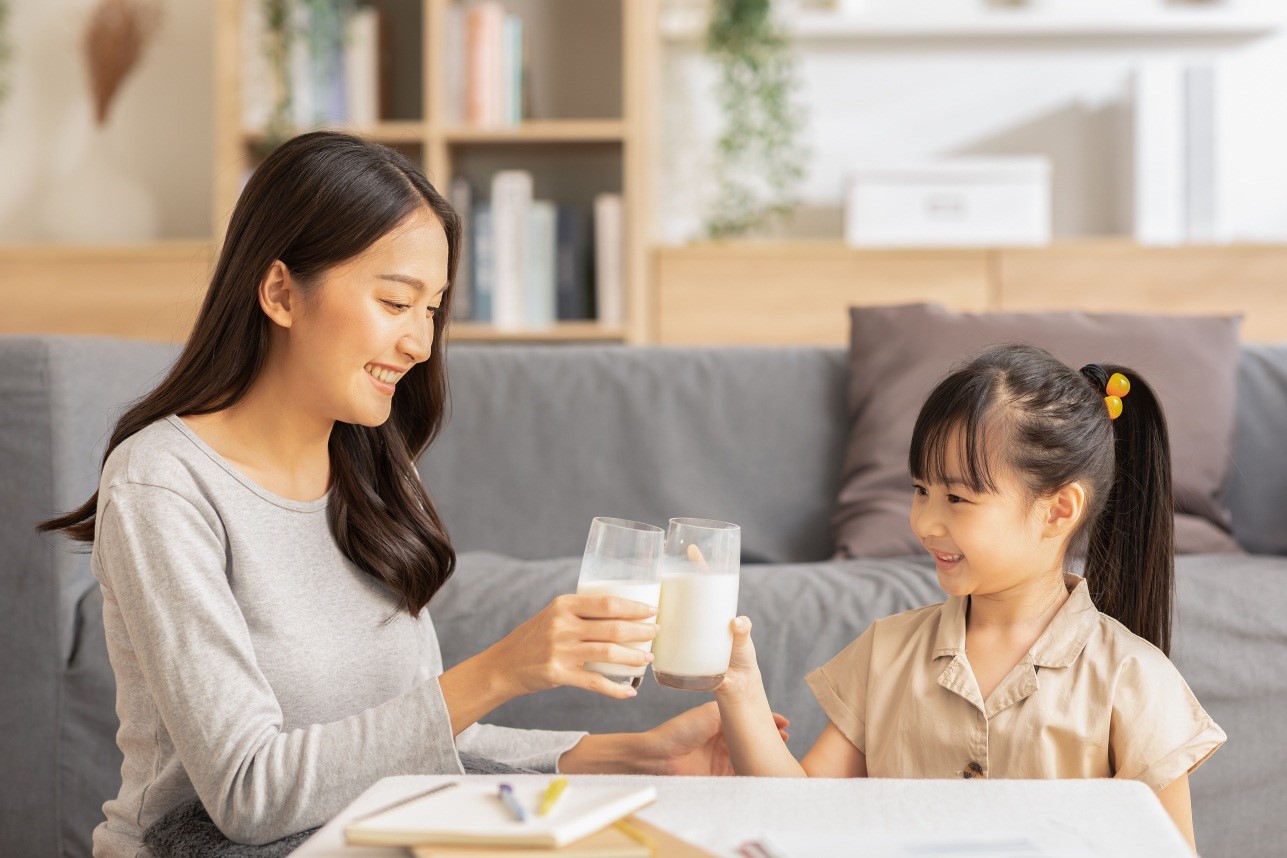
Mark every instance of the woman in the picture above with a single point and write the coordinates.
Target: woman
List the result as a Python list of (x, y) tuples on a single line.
[(266, 550)]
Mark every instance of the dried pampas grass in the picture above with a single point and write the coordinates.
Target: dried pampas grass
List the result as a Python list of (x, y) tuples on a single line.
[(118, 33)]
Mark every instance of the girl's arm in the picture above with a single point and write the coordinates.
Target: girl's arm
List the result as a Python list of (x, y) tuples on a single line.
[(1176, 802), (754, 746), (834, 756)]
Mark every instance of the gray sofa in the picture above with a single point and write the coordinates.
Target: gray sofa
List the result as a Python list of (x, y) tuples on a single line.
[(541, 440)]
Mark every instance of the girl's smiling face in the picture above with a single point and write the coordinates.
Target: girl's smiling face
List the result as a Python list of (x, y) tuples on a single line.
[(368, 321), (983, 542)]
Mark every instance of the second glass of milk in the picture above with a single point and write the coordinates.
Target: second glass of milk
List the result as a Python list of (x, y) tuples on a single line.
[(622, 558), (699, 579)]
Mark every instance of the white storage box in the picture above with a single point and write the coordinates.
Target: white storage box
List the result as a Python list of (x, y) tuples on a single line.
[(956, 202)]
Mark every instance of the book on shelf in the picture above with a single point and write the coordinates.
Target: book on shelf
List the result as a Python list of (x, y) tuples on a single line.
[(609, 258), (362, 66), (574, 298), (511, 210), (538, 287), (469, 813), (462, 197), (483, 263), (488, 83)]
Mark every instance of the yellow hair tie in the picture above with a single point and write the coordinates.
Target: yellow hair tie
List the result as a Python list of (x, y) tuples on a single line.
[(1117, 387)]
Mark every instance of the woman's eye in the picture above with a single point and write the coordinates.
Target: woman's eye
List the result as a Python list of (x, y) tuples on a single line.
[(394, 305), (433, 312), (919, 491), (955, 499)]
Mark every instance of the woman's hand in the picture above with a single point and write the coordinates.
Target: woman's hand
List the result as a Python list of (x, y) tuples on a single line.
[(691, 743), (551, 648)]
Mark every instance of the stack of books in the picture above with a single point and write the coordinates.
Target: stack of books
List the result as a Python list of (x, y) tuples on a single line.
[(527, 262), (485, 63)]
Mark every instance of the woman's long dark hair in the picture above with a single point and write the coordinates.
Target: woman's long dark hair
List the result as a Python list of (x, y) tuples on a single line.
[(319, 200), (1017, 407)]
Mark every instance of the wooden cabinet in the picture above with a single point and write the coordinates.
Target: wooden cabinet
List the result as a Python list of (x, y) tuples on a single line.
[(796, 293)]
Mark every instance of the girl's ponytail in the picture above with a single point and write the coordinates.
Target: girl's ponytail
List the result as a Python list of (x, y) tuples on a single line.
[(1130, 559)]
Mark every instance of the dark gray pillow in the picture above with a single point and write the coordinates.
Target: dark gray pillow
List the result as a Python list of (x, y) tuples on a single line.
[(898, 354)]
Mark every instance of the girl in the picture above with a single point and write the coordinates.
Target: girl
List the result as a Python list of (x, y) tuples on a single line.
[(1025, 671), (266, 550)]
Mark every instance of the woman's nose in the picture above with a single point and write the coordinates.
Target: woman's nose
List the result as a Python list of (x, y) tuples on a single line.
[(418, 343)]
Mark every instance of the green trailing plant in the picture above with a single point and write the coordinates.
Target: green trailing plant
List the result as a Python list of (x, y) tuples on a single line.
[(5, 53), (276, 47), (323, 38), (760, 157)]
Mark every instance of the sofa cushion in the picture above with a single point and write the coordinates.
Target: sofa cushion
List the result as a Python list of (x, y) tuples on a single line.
[(541, 440), (898, 355), (1257, 496)]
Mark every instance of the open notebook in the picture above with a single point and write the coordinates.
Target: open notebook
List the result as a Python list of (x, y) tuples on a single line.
[(470, 813)]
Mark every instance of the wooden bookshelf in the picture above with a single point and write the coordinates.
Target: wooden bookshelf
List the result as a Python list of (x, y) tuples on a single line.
[(572, 154)]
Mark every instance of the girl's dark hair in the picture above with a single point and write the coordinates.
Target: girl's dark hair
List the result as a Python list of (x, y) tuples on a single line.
[(1019, 409), (319, 200)]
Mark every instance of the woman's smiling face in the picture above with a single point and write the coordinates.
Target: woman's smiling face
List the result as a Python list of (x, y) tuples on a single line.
[(369, 320)]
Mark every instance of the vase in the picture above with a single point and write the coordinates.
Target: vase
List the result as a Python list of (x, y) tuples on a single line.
[(97, 201)]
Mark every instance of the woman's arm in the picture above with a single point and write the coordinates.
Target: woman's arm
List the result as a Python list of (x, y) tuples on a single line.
[(1175, 800), (549, 651)]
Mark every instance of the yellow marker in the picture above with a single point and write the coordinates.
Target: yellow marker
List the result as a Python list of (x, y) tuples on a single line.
[(552, 793), (635, 834)]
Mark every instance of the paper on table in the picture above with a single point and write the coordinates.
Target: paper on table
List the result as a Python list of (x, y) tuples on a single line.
[(471, 813)]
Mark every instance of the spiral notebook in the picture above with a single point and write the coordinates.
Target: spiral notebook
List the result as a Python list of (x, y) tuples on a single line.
[(469, 813)]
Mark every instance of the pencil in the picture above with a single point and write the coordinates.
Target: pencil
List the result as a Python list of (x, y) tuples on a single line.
[(506, 795), (552, 794), (628, 829)]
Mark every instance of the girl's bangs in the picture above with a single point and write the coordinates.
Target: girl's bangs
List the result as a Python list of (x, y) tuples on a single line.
[(956, 440)]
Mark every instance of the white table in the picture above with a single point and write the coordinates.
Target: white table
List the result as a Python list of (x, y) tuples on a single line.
[(816, 817)]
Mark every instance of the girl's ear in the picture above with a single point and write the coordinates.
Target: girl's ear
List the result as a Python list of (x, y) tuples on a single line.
[(278, 295), (1064, 510)]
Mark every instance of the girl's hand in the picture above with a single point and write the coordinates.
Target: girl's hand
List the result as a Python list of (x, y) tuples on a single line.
[(550, 649), (743, 676)]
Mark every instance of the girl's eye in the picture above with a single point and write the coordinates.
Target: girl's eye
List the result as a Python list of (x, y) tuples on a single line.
[(956, 499), (394, 305), (919, 491)]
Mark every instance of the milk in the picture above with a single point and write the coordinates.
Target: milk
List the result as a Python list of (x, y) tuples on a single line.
[(695, 613), (648, 592)]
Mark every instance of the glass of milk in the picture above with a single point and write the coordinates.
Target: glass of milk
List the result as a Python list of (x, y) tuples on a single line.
[(623, 558), (699, 578)]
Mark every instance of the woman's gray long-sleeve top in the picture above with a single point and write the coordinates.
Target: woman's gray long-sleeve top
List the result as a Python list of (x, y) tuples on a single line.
[(256, 667)]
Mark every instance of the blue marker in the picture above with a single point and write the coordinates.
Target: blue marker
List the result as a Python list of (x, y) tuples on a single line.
[(506, 795)]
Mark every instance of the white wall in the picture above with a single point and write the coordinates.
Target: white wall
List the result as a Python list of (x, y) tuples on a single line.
[(872, 100), (160, 130), (866, 102)]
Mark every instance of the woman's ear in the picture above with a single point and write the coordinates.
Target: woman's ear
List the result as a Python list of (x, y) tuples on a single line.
[(1064, 510), (279, 295)]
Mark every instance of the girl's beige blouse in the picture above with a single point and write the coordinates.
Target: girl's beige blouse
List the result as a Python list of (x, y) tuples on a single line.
[(1089, 700)]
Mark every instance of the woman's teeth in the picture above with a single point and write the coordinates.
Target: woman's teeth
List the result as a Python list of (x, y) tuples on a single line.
[(948, 558), (388, 376)]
